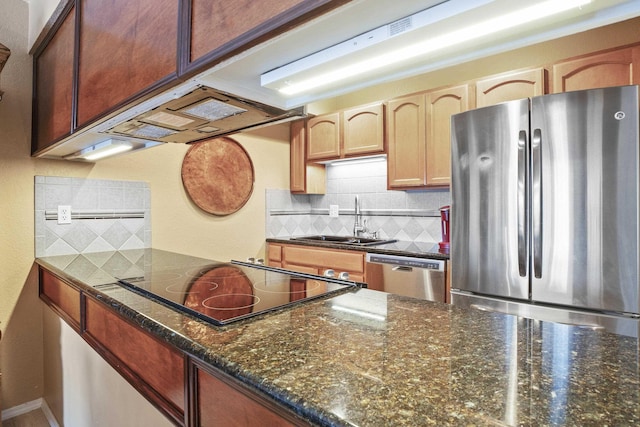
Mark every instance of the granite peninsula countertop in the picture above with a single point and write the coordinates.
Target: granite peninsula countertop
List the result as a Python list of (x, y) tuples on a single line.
[(398, 247), (369, 358)]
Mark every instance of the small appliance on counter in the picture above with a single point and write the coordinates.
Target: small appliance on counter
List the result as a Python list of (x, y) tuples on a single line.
[(444, 220)]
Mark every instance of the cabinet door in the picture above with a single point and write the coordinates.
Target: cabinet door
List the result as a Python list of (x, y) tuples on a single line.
[(407, 161), (305, 178), (616, 68), (62, 297), (53, 90), (222, 26), (221, 401), (363, 130), (274, 255), (509, 87), (323, 137), (441, 104), (127, 47), (155, 369)]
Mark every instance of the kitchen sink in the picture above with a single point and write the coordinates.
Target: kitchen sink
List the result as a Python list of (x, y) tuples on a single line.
[(344, 240)]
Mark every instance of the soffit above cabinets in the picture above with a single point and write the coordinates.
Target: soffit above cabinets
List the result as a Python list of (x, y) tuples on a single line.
[(241, 74)]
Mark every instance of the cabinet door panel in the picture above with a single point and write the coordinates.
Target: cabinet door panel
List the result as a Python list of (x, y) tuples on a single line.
[(216, 23), (441, 104), (323, 137), (305, 178), (223, 403), (62, 297), (406, 162), (509, 87), (126, 47), (616, 68), (139, 356), (54, 86), (363, 130)]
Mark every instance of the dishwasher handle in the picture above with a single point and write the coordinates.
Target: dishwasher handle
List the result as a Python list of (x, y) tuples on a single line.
[(407, 262), (402, 268)]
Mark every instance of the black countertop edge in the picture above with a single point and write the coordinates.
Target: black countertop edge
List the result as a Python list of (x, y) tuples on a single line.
[(399, 248)]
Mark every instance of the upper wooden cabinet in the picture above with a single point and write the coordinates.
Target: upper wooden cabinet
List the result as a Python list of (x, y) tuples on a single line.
[(363, 130), (510, 86), (221, 28), (126, 48), (323, 137), (53, 85), (614, 68), (358, 131), (306, 178), (407, 161), (105, 56), (440, 105)]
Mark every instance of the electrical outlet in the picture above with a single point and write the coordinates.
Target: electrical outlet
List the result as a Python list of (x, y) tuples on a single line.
[(333, 211), (64, 214)]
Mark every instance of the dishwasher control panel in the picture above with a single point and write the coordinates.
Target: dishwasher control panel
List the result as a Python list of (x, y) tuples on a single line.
[(426, 263)]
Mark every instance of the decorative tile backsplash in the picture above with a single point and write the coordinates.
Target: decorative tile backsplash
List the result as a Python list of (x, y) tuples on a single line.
[(106, 215), (402, 215)]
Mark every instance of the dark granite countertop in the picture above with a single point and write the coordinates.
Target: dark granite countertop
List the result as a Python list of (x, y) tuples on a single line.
[(371, 359), (399, 247)]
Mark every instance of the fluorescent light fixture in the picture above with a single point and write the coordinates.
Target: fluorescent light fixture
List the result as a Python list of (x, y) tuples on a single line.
[(288, 85), (103, 149)]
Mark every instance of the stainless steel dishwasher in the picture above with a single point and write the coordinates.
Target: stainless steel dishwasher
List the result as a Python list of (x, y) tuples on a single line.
[(422, 278)]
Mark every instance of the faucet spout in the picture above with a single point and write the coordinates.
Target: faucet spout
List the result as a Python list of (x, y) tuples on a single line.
[(358, 226)]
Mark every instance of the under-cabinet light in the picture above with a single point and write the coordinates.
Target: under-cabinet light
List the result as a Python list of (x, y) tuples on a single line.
[(101, 150), (287, 83)]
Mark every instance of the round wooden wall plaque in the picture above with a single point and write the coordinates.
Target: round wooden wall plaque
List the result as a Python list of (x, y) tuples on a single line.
[(218, 175)]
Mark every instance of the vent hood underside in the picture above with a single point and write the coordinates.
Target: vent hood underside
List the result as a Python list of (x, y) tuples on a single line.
[(201, 114)]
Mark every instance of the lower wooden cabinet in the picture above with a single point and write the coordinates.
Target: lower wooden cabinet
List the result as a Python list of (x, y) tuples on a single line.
[(187, 392), (313, 260), (222, 401), (154, 368), (62, 297)]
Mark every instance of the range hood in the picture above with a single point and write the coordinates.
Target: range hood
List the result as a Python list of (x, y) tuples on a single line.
[(187, 113), (201, 114)]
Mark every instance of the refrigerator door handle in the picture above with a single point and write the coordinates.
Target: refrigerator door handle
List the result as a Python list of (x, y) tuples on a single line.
[(536, 200), (522, 203)]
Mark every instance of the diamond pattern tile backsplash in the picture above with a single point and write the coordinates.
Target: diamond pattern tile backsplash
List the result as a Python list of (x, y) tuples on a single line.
[(106, 215), (402, 215)]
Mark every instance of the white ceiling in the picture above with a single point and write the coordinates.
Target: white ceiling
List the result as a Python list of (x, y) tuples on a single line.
[(241, 75)]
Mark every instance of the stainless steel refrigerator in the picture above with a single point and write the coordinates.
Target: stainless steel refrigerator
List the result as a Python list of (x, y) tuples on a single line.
[(544, 214)]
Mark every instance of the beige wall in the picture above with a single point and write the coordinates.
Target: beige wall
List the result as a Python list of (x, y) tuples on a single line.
[(177, 224)]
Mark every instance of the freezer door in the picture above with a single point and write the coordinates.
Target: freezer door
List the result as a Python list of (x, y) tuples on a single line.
[(489, 246), (584, 199)]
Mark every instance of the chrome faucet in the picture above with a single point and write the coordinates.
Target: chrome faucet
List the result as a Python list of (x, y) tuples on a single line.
[(358, 225)]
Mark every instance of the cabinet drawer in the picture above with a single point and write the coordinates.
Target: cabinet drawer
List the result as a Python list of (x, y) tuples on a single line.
[(62, 297), (335, 259), (155, 369)]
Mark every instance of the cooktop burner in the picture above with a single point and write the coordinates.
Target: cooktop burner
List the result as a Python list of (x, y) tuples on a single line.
[(221, 293)]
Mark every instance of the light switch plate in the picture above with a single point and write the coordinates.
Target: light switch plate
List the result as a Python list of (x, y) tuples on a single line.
[(64, 214), (333, 211)]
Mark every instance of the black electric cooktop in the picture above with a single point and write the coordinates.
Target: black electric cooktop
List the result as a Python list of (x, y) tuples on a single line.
[(222, 293)]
